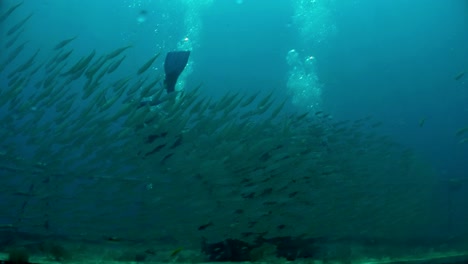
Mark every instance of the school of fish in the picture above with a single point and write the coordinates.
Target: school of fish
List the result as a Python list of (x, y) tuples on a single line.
[(79, 157)]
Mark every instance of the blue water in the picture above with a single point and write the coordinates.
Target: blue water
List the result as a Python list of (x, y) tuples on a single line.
[(392, 60)]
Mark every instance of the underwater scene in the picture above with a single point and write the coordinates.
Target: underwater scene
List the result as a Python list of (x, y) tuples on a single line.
[(203, 131)]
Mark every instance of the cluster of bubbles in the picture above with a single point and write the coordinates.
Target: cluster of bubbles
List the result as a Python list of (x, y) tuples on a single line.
[(193, 26), (303, 82), (133, 3), (314, 22)]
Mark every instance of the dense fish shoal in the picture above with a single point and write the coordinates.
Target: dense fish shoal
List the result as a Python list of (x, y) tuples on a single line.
[(79, 151)]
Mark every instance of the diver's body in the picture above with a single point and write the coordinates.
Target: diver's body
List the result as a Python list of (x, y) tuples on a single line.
[(173, 66)]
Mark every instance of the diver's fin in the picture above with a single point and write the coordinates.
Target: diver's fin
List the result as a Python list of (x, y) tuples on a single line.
[(173, 67)]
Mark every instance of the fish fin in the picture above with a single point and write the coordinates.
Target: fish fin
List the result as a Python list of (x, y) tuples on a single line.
[(173, 66)]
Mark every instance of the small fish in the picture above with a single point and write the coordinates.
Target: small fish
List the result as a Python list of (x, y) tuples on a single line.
[(15, 28), (9, 11), (277, 110), (116, 52), (112, 238), (95, 67), (376, 124), (16, 51), (265, 100), (421, 122), (249, 100), (302, 116), (205, 226), (176, 251), (64, 42), (150, 252), (27, 64), (7, 226), (145, 91), (291, 195), (14, 38), (459, 76), (80, 66), (461, 131), (63, 56), (239, 211), (115, 65), (148, 64)]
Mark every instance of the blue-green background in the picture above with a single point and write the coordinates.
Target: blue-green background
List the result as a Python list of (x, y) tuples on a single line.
[(394, 60)]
